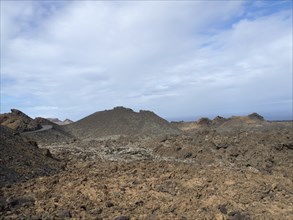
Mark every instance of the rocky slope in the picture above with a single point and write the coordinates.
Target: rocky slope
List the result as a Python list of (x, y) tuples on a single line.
[(120, 121), (21, 159), (151, 190)]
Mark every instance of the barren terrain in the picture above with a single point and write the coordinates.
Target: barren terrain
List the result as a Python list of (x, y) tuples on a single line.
[(236, 168)]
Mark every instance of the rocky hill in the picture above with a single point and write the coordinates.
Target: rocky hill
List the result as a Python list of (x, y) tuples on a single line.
[(121, 121), (248, 122), (21, 159), (19, 121), (39, 129)]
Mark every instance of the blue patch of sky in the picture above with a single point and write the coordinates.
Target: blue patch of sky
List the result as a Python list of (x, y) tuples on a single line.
[(42, 10), (13, 100), (256, 9), (7, 81), (251, 11), (9, 101)]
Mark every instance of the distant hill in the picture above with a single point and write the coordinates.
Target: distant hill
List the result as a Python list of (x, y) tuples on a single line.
[(59, 122), (220, 123), (39, 129), (121, 121), (21, 159)]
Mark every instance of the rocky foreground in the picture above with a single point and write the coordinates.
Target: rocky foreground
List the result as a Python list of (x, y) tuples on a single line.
[(237, 168), (151, 190)]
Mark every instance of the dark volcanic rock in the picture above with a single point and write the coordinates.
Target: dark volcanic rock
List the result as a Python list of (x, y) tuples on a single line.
[(223, 209), (109, 204)]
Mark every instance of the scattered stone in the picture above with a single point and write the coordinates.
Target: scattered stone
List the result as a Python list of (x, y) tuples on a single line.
[(188, 155), (122, 218), (109, 204), (15, 203), (236, 215), (83, 207), (223, 209), (97, 211), (64, 214), (139, 203)]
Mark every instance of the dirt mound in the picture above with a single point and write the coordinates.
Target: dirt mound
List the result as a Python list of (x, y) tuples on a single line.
[(18, 121), (21, 159), (121, 121)]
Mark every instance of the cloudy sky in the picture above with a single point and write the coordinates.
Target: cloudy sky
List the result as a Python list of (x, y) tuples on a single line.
[(180, 59)]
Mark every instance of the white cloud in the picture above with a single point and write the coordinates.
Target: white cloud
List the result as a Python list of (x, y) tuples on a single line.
[(172, 57)]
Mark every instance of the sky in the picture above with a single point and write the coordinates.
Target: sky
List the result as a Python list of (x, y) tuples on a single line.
[(180, 59)]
